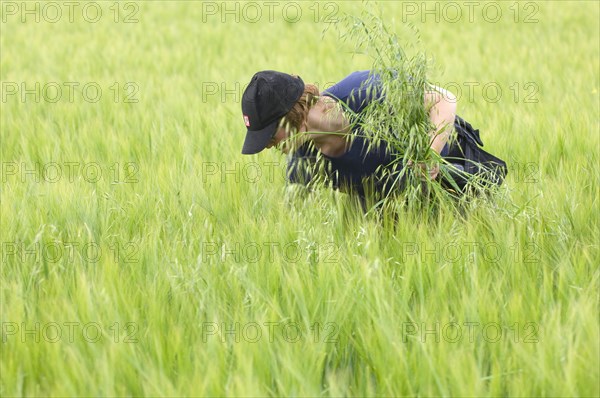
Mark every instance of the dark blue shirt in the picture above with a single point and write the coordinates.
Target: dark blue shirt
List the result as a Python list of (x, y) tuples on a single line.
[(361, 168)]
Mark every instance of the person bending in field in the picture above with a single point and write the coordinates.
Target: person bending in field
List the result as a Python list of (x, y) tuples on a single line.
[(280, 110)]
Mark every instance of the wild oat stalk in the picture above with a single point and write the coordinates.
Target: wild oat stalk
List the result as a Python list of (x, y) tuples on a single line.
[(400, 117)]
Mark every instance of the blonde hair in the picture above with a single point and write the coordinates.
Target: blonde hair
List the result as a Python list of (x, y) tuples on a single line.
[(294, 119)]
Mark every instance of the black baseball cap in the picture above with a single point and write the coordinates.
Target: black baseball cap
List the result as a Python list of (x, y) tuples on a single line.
[(269, 96)]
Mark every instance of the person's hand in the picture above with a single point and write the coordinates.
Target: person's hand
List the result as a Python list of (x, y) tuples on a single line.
[(434, 170), (424, 170)]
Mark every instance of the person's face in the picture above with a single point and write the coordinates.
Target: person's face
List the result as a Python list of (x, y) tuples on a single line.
[(280, 135)]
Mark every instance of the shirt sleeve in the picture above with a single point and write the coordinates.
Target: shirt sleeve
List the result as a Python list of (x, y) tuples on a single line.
[(356, 90), (300, 166)]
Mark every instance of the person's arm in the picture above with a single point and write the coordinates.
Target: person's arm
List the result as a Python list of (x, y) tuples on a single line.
[(441, 105)]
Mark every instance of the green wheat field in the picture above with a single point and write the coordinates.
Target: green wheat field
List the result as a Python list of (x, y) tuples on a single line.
[(143, 255)]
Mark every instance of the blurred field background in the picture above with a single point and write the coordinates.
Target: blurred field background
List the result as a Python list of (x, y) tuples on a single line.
[(142, 254)]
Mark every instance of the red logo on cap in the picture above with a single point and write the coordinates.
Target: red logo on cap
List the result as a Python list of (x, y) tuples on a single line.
[(247, 121)]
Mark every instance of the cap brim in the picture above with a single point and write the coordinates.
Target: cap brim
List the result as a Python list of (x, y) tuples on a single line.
[(258, 140)]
